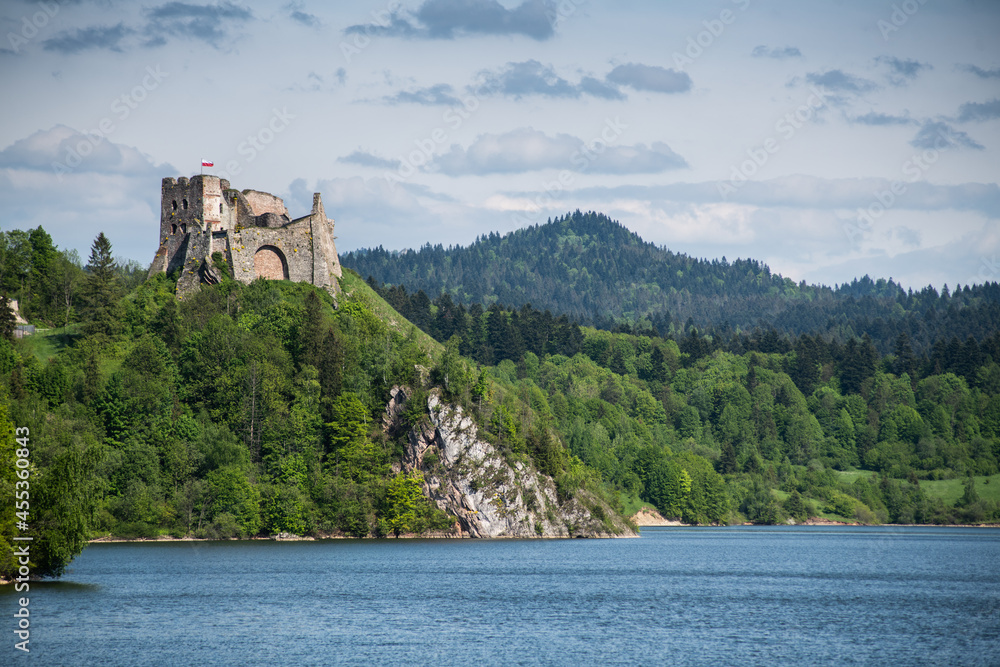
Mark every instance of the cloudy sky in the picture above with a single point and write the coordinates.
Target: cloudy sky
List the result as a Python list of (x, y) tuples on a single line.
[(829, 140)]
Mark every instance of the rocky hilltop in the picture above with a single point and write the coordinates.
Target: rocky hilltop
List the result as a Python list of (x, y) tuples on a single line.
[(467, 477)]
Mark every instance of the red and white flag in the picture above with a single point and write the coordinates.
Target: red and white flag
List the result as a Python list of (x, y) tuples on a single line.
[(207, 163)]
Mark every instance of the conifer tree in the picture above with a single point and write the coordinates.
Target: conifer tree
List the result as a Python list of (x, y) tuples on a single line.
[(42, 278), (795, 507), (858, 364), (970, 496), (905, 362), (312, 332), (101, 289)]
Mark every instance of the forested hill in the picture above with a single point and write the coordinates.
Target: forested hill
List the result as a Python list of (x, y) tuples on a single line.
[(254, 410), (595, 270)]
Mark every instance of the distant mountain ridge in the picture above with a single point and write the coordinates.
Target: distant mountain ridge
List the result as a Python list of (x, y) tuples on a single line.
[(595, 270)]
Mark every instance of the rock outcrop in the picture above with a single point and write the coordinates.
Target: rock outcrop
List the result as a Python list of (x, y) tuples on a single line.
[(467, 477), (650, 517)]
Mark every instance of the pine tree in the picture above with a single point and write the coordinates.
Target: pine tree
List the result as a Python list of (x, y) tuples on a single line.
[(752, 380), (658, 372), (497, 333), (969, 360), (805, 371), (42, 279), (858, 365), (905, 362), (727, 463), (312, 331), (970, 496), (795, 507), (101, 290)]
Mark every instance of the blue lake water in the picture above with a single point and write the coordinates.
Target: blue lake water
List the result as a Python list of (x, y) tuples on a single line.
[(739, 595)]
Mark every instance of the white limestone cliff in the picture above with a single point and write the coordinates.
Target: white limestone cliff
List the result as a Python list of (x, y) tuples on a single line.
[(467, 477)]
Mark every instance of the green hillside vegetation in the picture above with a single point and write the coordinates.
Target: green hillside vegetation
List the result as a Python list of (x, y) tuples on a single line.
[(951, 491), (356, 289), (234, 412), (254, 410), (853, 432), (46, 343), (747, 417), (593, 270)]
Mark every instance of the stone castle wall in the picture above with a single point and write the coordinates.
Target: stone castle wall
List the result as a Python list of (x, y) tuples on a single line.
[(264, 202), (202, 215)]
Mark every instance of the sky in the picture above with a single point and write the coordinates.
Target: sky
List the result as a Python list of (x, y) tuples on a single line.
[(829, 140)]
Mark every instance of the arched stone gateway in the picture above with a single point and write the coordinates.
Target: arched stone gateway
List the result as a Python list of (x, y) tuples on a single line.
[(269, 262)]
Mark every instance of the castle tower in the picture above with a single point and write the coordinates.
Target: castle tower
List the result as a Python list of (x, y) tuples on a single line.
[(188, 206)]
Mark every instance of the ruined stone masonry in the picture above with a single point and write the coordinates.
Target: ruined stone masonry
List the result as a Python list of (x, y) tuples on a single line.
[(251, 231)]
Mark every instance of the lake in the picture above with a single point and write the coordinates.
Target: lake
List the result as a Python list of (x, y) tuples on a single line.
[(737, 595)]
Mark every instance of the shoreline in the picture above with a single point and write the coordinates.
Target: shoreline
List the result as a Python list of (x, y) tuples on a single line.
[(648, 521), (113, 539), (649, 518), (665, 523)]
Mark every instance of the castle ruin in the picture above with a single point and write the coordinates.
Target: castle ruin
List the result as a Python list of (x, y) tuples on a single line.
[(203, 220)]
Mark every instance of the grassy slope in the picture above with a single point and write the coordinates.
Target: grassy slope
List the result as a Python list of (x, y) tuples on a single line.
[(950, 490), (631, 505), (355, 288), (848, 476), (47, 343)]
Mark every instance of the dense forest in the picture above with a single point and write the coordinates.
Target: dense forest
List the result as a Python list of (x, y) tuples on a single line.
[(594, 270), (796, 416), (235, 412), (247, 410)]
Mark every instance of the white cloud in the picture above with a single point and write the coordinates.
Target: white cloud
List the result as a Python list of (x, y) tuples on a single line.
[(447, 19), (938, 135), (520, 79), (651, 78), (526, 149), (107, 187), (562, 72), (812, 192), (62, 150), (701, 223), (369, 212), (509, 204), (777, 53)]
